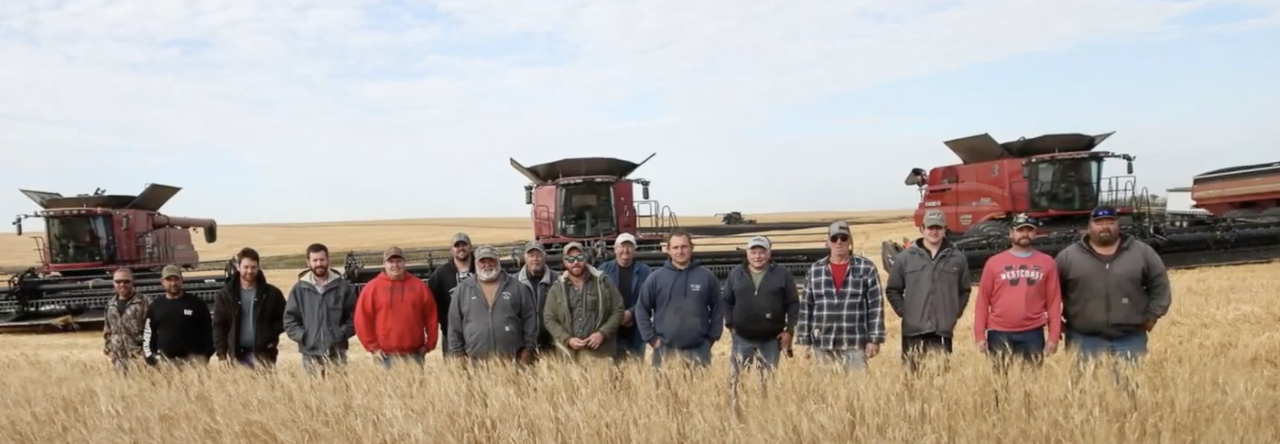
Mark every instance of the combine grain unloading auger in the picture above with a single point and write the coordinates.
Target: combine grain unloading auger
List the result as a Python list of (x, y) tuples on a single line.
[(88, 237), (1057, 179)]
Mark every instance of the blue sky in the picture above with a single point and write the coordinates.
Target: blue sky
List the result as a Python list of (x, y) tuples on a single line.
[(298, 111)]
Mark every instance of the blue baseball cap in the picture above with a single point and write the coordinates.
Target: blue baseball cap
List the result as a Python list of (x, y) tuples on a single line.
[(1102, 212)]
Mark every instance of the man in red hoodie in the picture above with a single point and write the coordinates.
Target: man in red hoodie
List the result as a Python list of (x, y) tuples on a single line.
[(396, 316), (1018, 295)]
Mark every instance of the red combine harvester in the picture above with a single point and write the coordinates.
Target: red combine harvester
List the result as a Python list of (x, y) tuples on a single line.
[(588, 200), (86, 238), (1058, 179)]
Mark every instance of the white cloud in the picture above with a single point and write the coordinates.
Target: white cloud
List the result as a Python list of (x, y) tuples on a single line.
[(332, 85)]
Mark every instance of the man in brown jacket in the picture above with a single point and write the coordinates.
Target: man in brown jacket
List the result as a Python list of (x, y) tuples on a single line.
[(124, 323), (583, 309), (248, 315)]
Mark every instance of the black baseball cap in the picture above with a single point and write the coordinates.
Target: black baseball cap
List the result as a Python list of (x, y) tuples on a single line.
[(1102, 212), (1023, 220)]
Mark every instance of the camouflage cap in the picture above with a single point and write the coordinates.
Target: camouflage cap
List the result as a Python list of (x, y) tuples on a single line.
[(460, 237), (533, 246), (574, 245), (171, 271), (487, 252)]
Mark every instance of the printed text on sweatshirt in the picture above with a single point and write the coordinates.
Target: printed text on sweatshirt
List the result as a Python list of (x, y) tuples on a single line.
[(1018, 294)]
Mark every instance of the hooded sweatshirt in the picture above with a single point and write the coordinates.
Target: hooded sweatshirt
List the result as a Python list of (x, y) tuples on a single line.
[(396, 316), (685, 307), (318, 315)]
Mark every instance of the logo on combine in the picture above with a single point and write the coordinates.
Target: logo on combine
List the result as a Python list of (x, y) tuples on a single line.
[(1032, 275)]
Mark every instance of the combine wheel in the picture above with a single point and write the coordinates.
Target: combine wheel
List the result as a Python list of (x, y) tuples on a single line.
[(888, 249), (211, 234)]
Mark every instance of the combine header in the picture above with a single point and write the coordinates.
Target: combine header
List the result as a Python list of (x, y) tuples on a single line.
[(1057, 178), (88, 237)]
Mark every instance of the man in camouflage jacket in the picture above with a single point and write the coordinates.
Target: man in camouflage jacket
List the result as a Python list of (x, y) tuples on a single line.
[(125, 317)]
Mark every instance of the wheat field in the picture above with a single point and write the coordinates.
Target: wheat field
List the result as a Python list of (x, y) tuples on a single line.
[(1211, 377)]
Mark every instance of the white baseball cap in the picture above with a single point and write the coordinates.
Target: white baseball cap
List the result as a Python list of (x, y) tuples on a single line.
[(625, 237), (758, 241)]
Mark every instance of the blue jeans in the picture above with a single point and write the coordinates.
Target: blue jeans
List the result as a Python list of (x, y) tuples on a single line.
[(417, 358), (1028, 345), (698, 355), (313, 363), (845, 360), (745, 352), (1129, 348)]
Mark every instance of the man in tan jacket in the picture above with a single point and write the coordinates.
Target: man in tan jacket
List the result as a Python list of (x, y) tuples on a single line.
[(583, 309)]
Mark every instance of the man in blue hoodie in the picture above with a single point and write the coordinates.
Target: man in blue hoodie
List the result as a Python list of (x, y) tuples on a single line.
[(679, 310), (628, 275)]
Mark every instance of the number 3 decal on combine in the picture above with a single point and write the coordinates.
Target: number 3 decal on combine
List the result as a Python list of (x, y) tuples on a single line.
[(995, 170)]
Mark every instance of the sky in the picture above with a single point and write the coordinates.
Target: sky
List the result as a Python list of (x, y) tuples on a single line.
[(323, 110)]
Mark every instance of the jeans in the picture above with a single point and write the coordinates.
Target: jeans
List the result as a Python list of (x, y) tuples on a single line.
[(916, 348), (698, 355), (1129, 349), (846, 360), (415, 357), (321, 363), (1027, 345)]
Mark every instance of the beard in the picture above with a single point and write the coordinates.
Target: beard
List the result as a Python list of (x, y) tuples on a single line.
[(319, 271), (577, 271), (1105, 238), (487, 275)]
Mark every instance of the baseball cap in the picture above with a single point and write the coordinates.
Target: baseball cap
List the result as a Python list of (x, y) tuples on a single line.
[(573, 245), (533, 246), (486, 252), (170, 270), (625, 237), (838, 227), (1023, 220), (758, 241), (935, 218), (460, 237), (1103, 212), (391, 252)]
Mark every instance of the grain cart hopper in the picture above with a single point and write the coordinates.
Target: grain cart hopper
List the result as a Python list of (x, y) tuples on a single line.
[(88, 237), (1057, 178)]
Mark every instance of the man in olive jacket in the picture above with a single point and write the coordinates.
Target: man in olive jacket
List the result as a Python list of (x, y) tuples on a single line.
[(583, 308), (928, 288)]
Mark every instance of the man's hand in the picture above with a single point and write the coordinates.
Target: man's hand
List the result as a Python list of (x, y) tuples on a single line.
[(655, 343), (1149, 324), (576, 344), (784, 340), (378, 355), (1051, 347), (982, 346), (526, 356), (626, 318), (594, 340), (872, 350)]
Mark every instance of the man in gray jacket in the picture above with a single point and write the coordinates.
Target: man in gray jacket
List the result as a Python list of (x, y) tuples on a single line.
[(537, 277), (1114, 290), (492, 316), (928, 288), (318, 312)]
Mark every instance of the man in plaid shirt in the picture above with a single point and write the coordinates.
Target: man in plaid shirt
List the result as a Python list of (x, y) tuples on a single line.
[(841, 313)]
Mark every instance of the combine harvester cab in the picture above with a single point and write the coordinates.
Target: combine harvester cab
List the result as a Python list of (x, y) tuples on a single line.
[(87, 237), (1057, 178), (591, 201)]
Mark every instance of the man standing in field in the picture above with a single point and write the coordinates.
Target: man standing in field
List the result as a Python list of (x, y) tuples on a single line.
[(1018, 295), (679, 311), (124, 323), (627, 276), (447, 276), (493, 317), (583, 309), (179, 327), (537, 277), (1114, 290), (319, 313), (761, 307), (841, 315), (248, 315), (395, 317), (928, 288)]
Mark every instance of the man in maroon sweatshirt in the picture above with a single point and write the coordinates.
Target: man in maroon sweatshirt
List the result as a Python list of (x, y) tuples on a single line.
[(1018, 295)]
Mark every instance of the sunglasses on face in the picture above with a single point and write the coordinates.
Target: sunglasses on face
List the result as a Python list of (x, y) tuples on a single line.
[(575, 258), (840, 238), (123, 281)]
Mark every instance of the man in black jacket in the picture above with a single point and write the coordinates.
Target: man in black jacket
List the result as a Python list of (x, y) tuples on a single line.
[(248, 315), (445, 277), (179, 327), (762, 305)]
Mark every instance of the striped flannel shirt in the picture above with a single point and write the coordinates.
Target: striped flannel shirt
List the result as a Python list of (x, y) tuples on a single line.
[(845, 320)]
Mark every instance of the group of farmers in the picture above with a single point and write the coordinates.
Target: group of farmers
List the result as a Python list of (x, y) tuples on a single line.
[(1104, 293)]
